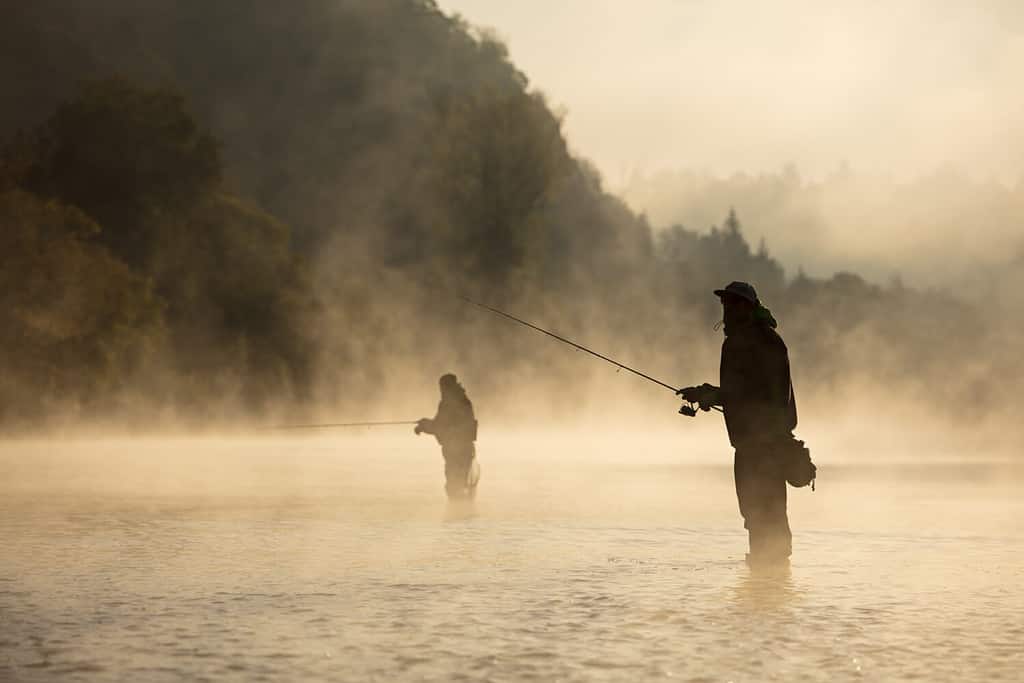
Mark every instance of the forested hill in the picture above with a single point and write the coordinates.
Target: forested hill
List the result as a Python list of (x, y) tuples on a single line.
[(215, 209), (332, 114)]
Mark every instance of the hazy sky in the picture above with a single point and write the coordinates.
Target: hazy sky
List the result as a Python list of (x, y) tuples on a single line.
[(888, 85)]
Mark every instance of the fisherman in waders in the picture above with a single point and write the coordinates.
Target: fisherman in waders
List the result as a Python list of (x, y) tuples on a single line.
[(454, 427), (756, 395)]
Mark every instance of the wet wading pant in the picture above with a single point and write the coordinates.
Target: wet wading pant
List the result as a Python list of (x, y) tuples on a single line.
[(458, 458), (761, 491)]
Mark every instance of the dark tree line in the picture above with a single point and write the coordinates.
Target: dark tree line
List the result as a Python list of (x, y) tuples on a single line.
[(131, 269)]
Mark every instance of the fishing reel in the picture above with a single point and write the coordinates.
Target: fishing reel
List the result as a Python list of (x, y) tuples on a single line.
[(703, 397)]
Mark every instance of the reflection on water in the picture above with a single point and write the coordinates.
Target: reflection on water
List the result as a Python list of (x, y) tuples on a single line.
[(459, 510), (335, 560), (763, 589)]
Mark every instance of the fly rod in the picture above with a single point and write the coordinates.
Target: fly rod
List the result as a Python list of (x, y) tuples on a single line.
[(688, 410), (570, 343)]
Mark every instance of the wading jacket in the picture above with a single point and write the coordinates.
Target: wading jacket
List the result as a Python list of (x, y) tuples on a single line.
[(454, 423), (756, 388)]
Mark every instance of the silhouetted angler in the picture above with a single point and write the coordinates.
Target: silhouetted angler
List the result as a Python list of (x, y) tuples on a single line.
[(454, 427), (757, 398)]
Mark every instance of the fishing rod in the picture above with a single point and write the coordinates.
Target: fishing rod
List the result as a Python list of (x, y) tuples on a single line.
[(688, 410), (326, 425)]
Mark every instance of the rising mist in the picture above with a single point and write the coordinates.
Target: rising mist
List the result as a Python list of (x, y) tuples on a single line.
[(304, 206)]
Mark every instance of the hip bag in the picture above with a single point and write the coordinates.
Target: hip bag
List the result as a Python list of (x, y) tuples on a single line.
[(795, 460)]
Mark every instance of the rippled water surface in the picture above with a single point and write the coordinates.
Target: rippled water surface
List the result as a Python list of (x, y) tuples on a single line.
[(338, 559)]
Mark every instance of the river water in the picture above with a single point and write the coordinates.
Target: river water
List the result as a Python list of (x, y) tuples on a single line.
[(584, 558)]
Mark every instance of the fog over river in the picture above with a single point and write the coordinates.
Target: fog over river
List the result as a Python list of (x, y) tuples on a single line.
[(586, 557)]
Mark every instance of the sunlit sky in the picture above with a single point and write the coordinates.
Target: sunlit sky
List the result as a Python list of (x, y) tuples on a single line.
[(896, 86)]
